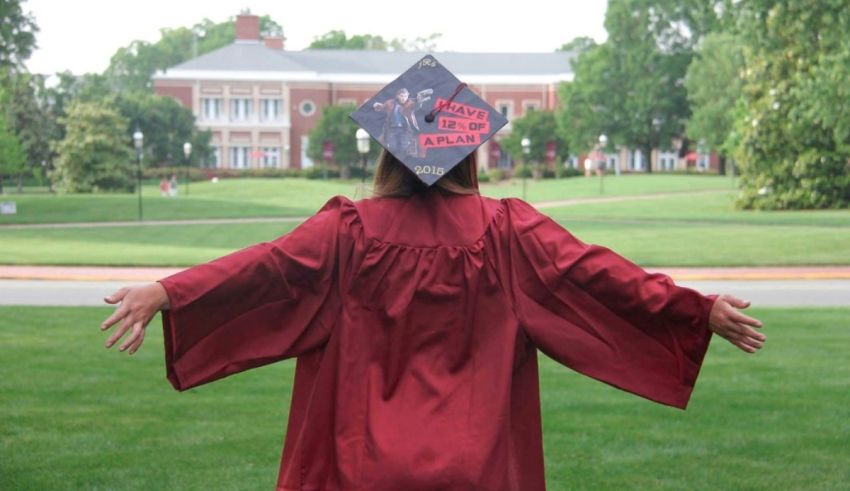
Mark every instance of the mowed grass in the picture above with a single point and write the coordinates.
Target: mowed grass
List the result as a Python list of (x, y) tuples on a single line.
[(699, 229), (76, 416), (231, 198)]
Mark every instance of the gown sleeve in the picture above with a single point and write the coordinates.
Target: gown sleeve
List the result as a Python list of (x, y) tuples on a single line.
[(603, 316), (258, 305)]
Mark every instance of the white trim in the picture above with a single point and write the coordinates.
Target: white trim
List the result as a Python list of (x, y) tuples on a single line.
[(304, 113), (375, 78)]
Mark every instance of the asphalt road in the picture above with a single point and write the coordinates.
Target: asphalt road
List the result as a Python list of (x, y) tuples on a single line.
[(762, 293)]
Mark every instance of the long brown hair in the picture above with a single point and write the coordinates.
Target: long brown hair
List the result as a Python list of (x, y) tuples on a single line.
[(393, 179)]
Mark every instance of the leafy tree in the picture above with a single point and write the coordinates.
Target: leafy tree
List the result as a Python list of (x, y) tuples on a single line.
[(338, 39), (131, 67), (540, 127), (336, 127), (714, 85), (25, 106), (794, 129), (94, 155), (579, 45), (12, 156), (17, 35), (166, 124)]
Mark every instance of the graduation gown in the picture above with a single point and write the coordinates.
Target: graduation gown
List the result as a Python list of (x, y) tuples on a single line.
[(416, 323)]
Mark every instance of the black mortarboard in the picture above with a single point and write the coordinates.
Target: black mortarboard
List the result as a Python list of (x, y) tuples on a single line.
[(428, 119)]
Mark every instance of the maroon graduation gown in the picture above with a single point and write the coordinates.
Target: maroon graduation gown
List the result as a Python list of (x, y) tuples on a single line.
[(416, 323)]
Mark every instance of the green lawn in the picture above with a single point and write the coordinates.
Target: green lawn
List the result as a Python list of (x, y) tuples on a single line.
[(300, 197), (76, 416)]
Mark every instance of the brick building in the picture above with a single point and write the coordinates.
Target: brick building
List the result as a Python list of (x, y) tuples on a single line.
[(260, 101)]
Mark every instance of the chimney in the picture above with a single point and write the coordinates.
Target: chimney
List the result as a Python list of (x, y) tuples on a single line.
[(274, 42), (247, 27)]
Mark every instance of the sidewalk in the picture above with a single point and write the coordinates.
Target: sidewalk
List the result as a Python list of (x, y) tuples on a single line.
[(144, 274)]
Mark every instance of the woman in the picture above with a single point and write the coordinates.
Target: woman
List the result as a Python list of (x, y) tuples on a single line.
[(416, 317)]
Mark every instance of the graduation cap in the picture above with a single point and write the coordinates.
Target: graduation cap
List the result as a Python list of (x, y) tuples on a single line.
[(428, 119)]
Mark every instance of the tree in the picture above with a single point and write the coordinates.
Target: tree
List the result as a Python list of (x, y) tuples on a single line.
[(336, 127), (95, 154), (794, 127), (166, 125), (338, 39), (25, 106), (713, 83), (541, 128), (12, 156), (131, 67), (17, 35), (579, 45)]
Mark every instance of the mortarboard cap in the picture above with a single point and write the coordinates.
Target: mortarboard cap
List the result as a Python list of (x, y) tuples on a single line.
[(428, 119)]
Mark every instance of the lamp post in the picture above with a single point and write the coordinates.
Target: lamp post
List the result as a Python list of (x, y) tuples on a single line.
[(526, 151), (138, 141), (603, 141), (187, 152), (363, 149)]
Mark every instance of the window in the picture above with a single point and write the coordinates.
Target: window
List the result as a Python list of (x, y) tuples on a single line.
[(214, 158), (211, 108), (573, 162), (347, 101), (506, 108), (667, 160), (530, 105), (240, 109), (306, 162), (271, 156), (613, 162), (239, 157), (271, 109), (307, 108)]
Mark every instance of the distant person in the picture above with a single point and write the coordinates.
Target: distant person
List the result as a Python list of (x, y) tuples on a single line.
[(172, 186), (164, 187)]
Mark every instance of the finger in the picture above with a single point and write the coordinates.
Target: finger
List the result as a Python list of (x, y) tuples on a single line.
[(138, 343), (119, 332), (736, 302), (751, 333), (117, 296), (137, 331), (119, 314), (744, 319), (745, 347), (752, 342)]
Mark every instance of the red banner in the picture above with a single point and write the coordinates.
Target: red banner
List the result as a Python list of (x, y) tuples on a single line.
[(461, 125), (462, 110), (431, 140)]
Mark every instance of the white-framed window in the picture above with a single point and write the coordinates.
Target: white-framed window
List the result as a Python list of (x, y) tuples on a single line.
[(612, 161), (271, 157), (306, 162), (214, 158), (506, 108), (667, 161), (703, 161), (529, 105), (636, 162), (346, 101), (572, 162), (271, 109), (240, 157), (307, 108), (211, 108), (240, 109)]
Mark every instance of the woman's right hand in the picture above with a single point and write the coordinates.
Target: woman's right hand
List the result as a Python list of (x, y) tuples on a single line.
[(735, 327), (137, 306)]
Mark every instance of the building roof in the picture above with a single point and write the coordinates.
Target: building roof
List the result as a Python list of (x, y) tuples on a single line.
[(254, 61)]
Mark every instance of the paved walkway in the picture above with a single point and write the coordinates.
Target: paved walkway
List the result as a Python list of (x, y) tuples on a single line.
[(142, 274)]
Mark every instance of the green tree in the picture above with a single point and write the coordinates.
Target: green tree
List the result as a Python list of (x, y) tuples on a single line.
[(132, 66), (12, 156), (714, 85), (579, 45), (794, 127), (17, 35), (338, 39), (540, 127), (336, 127), (95, 154), (166, 124)]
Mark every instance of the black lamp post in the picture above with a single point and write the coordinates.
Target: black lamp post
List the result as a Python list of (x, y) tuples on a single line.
[(138, 141), (526, 151), (187, 152)]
